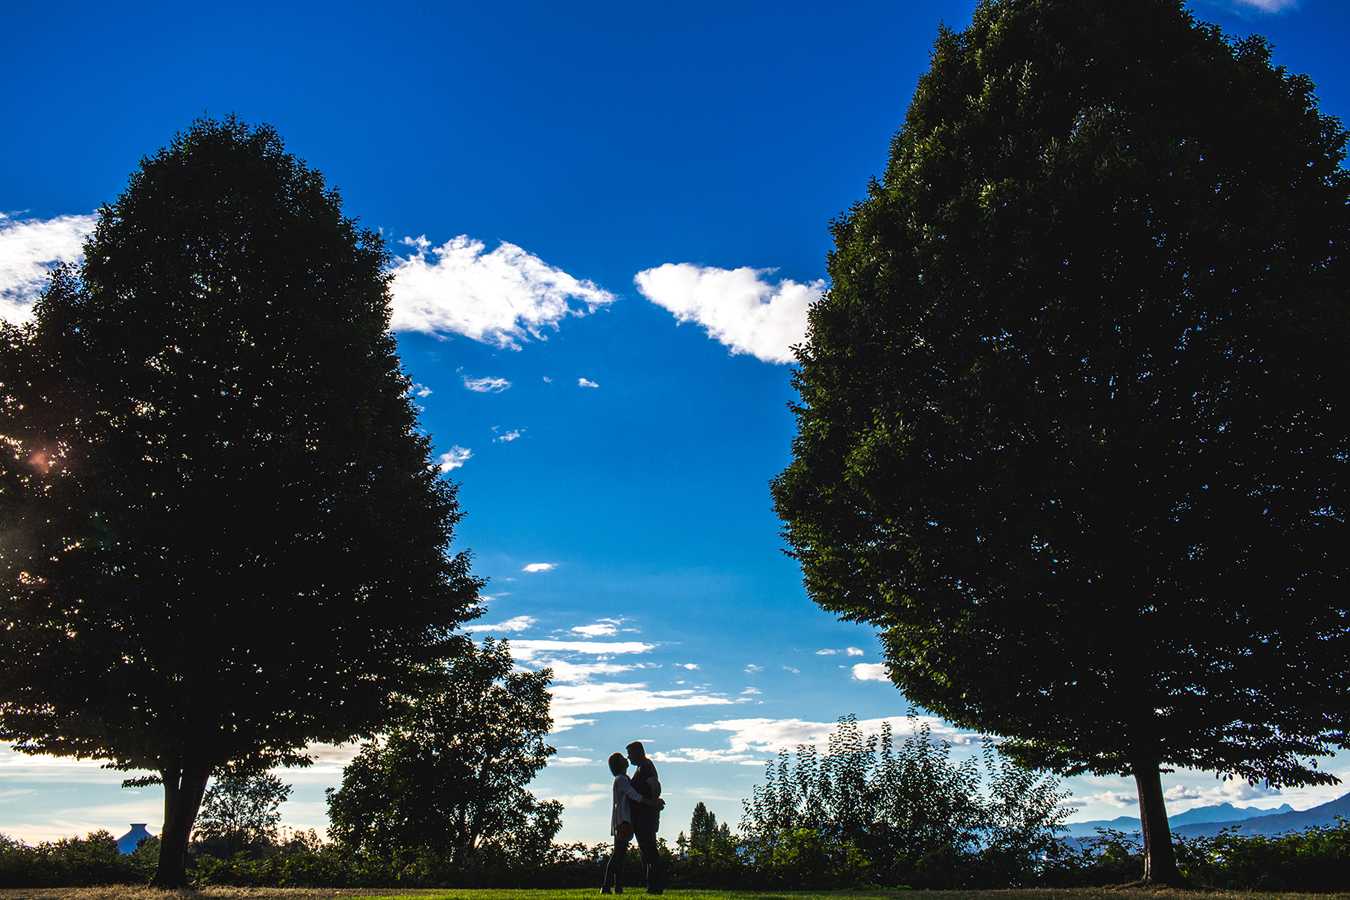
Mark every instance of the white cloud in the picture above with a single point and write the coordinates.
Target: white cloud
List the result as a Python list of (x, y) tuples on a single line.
[(751, 690), (508, 437), (487, 385), (540, 567), (581, 801), (586, 382), (736, 306), (689, 666), (826, 652), (573, 700), (792, 670), (518, 623), (526, 651), (871, 672), (761, 738), (752, 668), (570, 761), (502, 298), (28, 250), (854, 651), (420, 390), (456, 457), (1232, 791), (565, 672), (601, 628)]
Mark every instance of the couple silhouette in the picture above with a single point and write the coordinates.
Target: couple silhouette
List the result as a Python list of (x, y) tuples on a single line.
[(636, 813)]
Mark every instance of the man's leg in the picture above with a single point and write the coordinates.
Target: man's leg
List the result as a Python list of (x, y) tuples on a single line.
[(651, 859)]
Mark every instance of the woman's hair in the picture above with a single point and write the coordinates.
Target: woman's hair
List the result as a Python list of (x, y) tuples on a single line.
[(618, 763)]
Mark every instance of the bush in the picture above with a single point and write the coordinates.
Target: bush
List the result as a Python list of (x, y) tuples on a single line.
[(73, 862)]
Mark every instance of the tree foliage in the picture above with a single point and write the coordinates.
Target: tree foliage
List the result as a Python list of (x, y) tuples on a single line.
[(451, 775), (222, 536), (889, 811), (1073, 419), (240, 812)]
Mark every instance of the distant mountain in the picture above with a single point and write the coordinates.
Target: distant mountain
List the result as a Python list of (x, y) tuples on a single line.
[(1277, 824), (1225, 813)]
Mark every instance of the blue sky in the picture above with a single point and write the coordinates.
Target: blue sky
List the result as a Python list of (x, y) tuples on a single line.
[(608, 219)]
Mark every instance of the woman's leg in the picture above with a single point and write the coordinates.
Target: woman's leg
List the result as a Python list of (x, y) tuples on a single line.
[(614, 871)]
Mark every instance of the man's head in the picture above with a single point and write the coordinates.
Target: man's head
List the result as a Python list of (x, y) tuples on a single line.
[(636, 754)]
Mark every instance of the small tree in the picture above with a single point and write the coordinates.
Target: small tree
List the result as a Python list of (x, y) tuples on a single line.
[(900, 806), (702, 827), (241, 811), (451, 775)]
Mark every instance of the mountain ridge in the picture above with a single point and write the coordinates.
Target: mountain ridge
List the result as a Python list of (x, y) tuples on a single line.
[(1208, 821)]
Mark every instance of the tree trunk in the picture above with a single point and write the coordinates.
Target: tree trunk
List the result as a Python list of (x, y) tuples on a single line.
[(1160, 859), (183, 790)]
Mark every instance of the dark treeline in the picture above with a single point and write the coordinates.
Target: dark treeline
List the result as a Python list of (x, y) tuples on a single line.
[(867, 810), (1316, 860)]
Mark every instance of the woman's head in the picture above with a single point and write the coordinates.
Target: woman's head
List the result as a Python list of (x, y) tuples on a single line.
[(617, 764)]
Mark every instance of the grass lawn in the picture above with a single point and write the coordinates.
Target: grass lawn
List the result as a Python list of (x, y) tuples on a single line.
[(236, 893)]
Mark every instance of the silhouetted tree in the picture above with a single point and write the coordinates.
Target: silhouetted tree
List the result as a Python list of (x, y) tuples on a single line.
[(241, 811), (702, 827), (222, 536), (1073, 422), (451, 775)]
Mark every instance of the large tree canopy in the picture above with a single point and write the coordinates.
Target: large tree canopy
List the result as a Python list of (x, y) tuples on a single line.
[(223, 536), (1073, 418)]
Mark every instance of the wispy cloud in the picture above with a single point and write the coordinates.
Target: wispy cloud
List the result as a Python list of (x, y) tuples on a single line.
[(517, 623), (568, 672), (736, 306), (1231, 791), (454, 458), (502, 298), (586, 382), (871, 672), (570, 761), (1268, 6), (486, 385), (601, 628), (751, 668), (754, 740), (572, 701), (526, 651), (507, 437), (540, 567), (420, 390), (29, 248)]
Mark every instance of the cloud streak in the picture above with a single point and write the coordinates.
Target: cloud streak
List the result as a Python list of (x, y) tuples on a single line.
[(29, 248), (454, 458), (1269, 6), (486, 385), (735, 306), (752, 741), (502, 298)]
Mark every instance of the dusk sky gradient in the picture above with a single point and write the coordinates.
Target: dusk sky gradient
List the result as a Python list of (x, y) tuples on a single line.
[(608, 220)]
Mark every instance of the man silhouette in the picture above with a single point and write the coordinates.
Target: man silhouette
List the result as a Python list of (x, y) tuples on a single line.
[(647, 819)]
